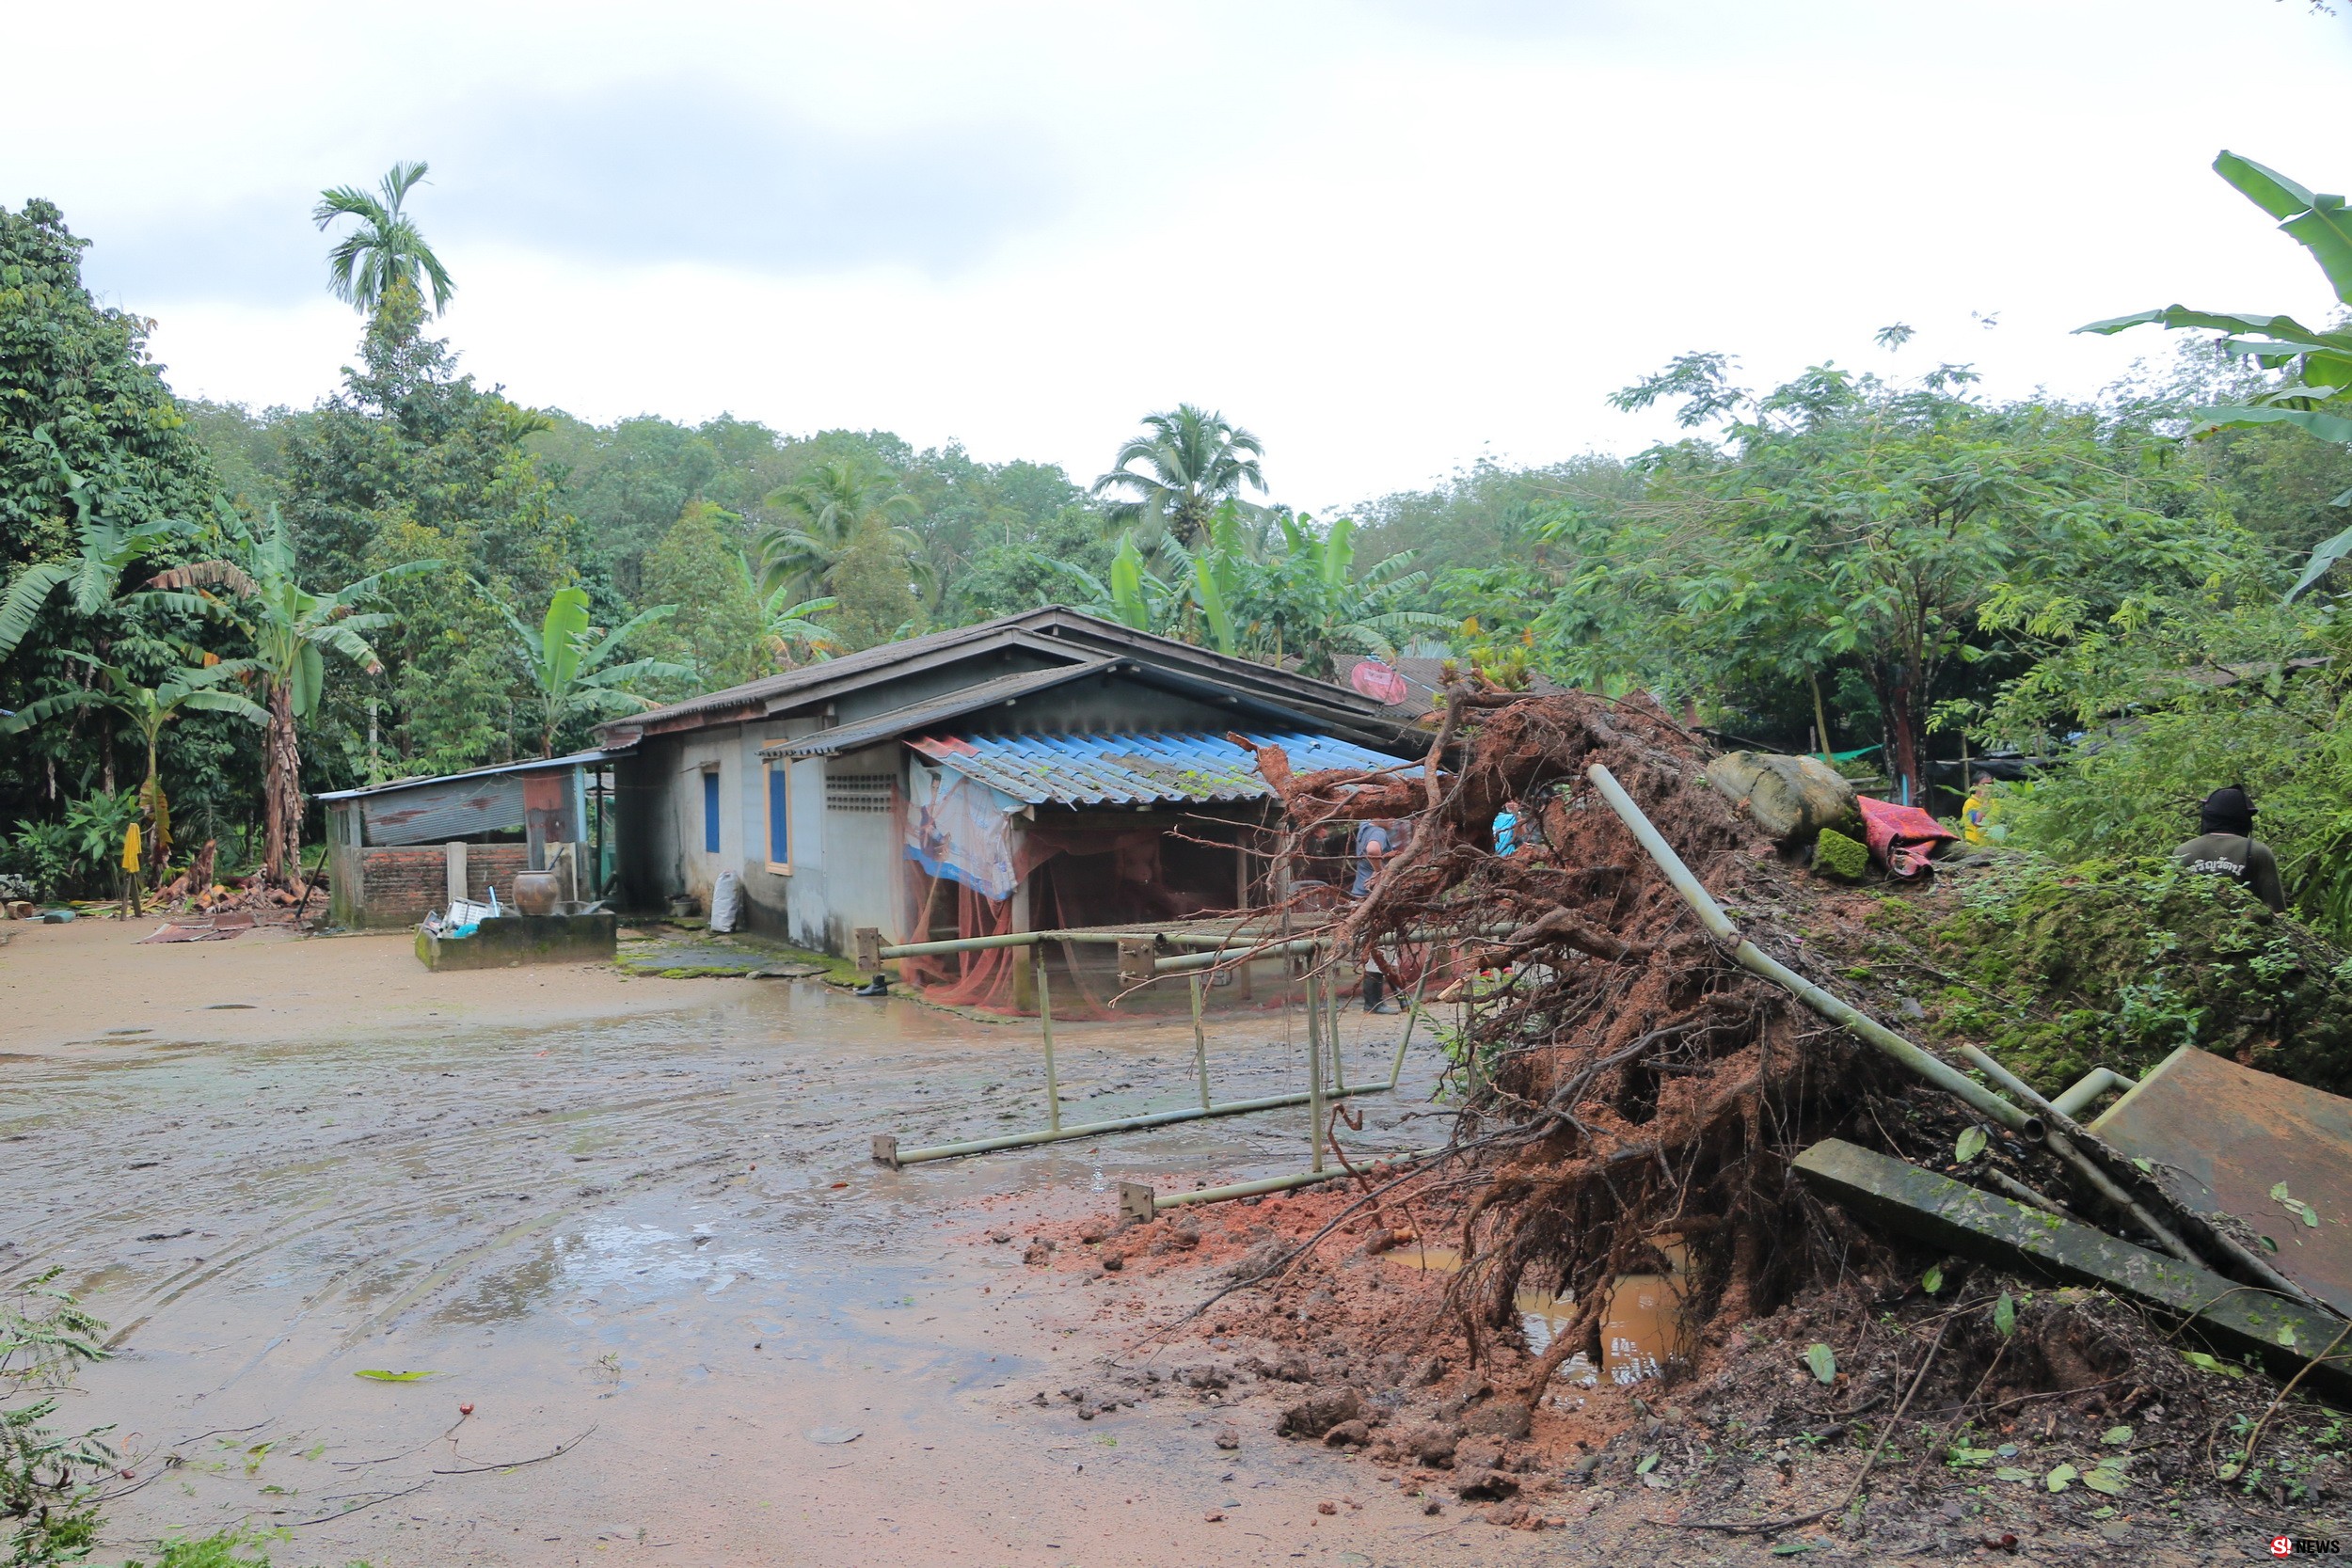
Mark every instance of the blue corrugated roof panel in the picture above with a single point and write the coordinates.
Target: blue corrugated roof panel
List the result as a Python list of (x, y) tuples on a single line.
[(1136, 769)]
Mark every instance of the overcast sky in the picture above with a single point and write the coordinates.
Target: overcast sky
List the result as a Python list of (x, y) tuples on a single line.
[(1388, 237)]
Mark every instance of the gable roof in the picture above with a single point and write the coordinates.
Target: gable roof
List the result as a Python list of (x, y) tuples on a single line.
[(1055, 630)]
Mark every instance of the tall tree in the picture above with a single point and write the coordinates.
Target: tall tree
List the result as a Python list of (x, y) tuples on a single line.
[(385, 246), (1175, 475), (253, 583), (823, 514)]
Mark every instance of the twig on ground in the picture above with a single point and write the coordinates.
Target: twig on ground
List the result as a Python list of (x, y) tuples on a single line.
[(517, 1464), (346, 1512)]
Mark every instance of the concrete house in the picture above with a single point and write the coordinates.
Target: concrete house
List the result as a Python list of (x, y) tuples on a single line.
[(1038, 771)]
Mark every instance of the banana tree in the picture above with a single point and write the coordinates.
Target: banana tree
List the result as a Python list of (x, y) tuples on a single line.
[(1317, 605), (253, 583), (569, 663), (105, 549), (2318, 363), (149, 708)]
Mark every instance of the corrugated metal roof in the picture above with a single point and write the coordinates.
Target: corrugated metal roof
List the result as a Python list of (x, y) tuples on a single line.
[(939, 710), (536, 765), (1136, 769), (1088, 637)]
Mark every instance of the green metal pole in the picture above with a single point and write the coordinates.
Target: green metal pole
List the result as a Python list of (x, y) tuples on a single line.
[(1199, 1044), (1412, 1016), (1314, 1073), (1046, 1021), (1331, 1032), (1142, 1121)]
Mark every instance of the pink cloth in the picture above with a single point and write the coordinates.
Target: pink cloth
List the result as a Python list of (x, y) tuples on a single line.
[(1901, 837)]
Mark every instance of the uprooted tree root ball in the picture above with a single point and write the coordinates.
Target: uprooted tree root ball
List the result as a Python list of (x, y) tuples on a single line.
[(1626, 1100), (1624, 1084)]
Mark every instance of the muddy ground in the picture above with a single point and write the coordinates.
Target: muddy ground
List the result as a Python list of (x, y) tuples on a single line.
[(633, 1224), (637, 1216)]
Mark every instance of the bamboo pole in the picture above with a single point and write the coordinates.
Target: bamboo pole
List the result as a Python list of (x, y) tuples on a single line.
[(1314, 1073), (1045, 1023), (887, 1152), (1199, 1043)]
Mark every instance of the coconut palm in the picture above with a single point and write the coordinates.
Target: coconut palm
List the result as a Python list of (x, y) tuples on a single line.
[(386, 247), (253, 584), (568, 662), (106, 547), (1176, 475), (826, 510), (190, 689)]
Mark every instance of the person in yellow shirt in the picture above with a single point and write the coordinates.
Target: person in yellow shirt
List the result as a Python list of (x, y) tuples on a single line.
[(1980, 813)]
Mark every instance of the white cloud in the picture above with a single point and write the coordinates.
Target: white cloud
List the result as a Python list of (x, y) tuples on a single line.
[(1387, 237)]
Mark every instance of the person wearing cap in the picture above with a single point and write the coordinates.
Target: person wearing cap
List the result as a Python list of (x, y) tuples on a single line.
[(2226, 847)]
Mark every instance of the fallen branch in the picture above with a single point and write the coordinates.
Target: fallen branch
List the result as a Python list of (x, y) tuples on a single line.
[(517, 1464)]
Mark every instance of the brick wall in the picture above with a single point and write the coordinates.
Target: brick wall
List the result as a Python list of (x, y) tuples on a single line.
[(400, 886)]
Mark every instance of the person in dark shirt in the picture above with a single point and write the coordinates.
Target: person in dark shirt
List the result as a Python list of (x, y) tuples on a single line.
[(2226, 847)]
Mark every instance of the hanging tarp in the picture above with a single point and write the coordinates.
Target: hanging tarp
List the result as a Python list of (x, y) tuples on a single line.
[(959, 828)]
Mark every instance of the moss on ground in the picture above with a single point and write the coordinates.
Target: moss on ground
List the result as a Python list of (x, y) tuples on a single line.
[(2056, 970), (1835, 855)]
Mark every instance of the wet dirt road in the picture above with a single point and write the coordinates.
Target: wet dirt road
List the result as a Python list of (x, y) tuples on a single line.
[(638, 1217)]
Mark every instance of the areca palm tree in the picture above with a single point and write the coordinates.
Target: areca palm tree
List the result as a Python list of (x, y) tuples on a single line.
[(108, 547), (569, 663), (386, 246), (191, 690), (1187, 463), (826, 510), (253, 584)]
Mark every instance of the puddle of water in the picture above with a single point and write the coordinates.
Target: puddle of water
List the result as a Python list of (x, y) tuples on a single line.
[(1641, 1331)]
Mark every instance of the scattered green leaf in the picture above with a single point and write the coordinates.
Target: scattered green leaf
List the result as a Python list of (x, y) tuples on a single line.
[(376, 1374), (2005, 1316), (1932, 1280), (1969, 1144), (1823, 1361), (2010, 1472), (2107, 1481), (1649, 1463), (2060, 1478), (2116, 1436), (1791, 1548), (2204, 1363)]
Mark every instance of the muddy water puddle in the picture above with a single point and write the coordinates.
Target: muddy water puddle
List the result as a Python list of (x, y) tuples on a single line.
[(658, 1237)]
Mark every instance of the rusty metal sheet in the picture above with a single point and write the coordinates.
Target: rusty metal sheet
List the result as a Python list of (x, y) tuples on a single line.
[(2274, 1153), (454, 808)]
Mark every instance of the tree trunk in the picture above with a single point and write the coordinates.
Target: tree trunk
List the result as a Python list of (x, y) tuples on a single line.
[(281, 787)]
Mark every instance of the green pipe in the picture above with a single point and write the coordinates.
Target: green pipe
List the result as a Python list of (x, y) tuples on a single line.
[(1199, 1044), (1412, 1016), (1210, 959), (1045, 1023), (1097, 1129), (2098, 1081), (1749, 957), (961, 944), (1314, 1075)]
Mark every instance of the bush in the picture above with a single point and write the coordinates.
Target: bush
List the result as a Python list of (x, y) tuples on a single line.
[(2119, 964)]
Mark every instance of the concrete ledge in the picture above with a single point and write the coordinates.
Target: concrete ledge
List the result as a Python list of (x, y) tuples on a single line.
[(2237, 1320), (522, 939)]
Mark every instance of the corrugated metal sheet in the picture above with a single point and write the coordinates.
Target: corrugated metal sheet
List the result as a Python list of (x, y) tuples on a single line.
[(1135, 769), (458, 805)]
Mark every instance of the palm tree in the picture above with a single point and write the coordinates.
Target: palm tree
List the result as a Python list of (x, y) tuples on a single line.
[(1192, 461), (193, 689), (826, 510), (386, 247), (566, 659), (291, 630), (107, 548)]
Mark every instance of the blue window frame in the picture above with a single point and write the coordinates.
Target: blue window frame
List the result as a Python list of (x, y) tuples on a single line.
[(779, 816), (711, 812)]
